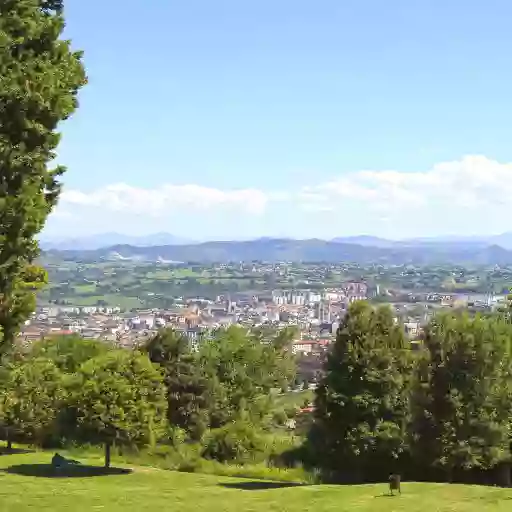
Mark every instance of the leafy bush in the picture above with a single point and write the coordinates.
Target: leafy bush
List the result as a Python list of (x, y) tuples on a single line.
[(187, 458), (177, 436), (279, 417), (237, 442), (260, 471)]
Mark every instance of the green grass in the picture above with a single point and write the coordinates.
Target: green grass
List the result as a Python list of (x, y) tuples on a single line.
[(84, 288), (26, 484), (170, 274), (112, 300), (293, 399)]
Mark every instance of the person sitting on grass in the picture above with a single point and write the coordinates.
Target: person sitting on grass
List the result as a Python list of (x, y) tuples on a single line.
[(58, 461)]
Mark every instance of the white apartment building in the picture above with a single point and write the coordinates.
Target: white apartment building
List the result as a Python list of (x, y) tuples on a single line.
[(314, 297)]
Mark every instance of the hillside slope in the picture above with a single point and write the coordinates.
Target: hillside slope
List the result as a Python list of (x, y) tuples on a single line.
[(147, 489)]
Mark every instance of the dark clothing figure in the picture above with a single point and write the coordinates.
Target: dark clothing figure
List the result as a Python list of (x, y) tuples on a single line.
[(58, 461)]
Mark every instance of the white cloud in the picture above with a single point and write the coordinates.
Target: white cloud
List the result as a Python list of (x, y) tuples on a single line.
[(473, 182), (473, 193), (155, 202)]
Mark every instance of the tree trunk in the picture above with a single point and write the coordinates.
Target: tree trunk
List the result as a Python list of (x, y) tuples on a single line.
[(9, 445), (107, 455)]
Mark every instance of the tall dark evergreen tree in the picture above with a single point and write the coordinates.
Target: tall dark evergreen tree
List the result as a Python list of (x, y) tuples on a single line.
[(463, 395), (188, 389), (39, 80), (362, 402)]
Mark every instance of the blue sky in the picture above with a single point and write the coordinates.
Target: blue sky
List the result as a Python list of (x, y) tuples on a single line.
[(239, 119)]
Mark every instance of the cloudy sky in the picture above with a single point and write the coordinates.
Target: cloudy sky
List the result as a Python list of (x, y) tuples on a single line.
[(233, 119)]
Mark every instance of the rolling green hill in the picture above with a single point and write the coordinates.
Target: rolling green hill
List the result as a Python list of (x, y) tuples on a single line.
[(27, 484)]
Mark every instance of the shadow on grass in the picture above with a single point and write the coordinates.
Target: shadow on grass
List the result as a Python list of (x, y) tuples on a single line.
[(72, 471), (14, 451), (260, 486)]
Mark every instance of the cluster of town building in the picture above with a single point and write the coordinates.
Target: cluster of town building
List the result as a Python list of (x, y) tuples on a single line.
[(316, 314)]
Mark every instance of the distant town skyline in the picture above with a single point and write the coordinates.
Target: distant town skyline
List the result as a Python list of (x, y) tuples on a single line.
[(232, 120)]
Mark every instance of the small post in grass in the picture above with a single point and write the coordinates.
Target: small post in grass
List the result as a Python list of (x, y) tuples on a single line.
[(394, 484)]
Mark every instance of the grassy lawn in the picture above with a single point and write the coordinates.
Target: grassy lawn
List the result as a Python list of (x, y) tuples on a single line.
[(26, 484)]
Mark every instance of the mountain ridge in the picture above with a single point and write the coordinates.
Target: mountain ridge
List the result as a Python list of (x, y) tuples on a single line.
[(309, 250), (105, 240), (99, 241)]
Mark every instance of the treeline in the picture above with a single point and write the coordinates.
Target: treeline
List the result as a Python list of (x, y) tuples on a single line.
[(442, 413), (65, 391)]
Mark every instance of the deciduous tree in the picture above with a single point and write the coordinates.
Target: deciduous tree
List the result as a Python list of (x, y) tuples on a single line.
[(243, 369), (69, 352), (31, 396), (463, 395), (119, 398)]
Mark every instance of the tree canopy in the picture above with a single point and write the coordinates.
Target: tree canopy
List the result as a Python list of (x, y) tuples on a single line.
[(119, 398), (31, 397), (189, 393), (362, 402), (40, 77), (68, 352), (463, 394), (243, 369)]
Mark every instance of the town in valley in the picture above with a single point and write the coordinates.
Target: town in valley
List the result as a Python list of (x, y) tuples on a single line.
[(126, 301)]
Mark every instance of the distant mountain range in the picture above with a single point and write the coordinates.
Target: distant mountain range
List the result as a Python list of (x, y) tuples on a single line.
[(106, 240), (504, 240), (362, 250), (94, 242)]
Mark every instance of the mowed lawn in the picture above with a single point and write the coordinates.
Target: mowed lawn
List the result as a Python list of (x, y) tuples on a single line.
[(158, 490)]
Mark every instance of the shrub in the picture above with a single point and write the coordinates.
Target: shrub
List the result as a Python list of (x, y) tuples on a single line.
[(177, 436), (237, 442), (279, 417)]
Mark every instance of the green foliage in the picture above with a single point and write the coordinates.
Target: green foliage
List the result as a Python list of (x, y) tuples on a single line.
[(69, 352), (362, 403), (280, 417), (294, 400), (243, 370), (238, 442), (231, 376), (39, 80), (505, 309), (278, 357), (119, 398), (31, 396), (463, 394), (188, 388)]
